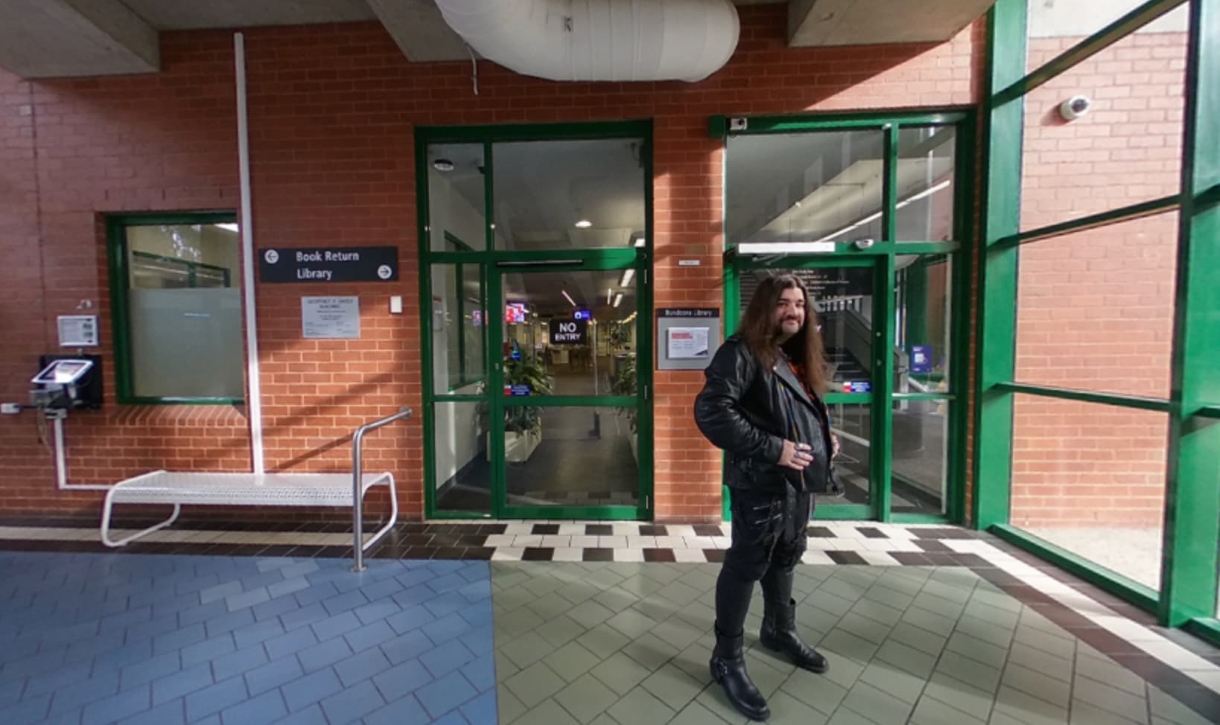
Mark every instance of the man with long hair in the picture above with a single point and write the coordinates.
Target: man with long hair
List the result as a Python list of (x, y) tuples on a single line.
[(762, 404)]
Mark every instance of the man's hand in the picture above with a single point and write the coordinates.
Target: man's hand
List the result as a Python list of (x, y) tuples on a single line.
[(795, 456), (834, 440)]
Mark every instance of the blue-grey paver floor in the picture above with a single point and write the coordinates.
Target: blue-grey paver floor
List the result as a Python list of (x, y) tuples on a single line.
[(93, 639)]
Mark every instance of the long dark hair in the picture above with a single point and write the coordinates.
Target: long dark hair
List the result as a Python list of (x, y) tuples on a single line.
[(761, 334)]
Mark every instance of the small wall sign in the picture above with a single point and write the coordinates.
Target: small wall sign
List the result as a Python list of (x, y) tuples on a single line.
[(330, 318), (77, 330)]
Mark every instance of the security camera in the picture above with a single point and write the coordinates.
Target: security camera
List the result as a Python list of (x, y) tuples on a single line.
[(1075, 107), (864, 243), (738, 124)]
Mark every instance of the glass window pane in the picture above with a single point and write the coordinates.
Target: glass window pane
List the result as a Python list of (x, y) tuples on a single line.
[(1057, 26), (1095, 308), (568, 333), (926, 162), (463, 469), (184, 311), (925, 325), (569, 194), (459, 329), (578, 456), (1090, 478), (920, 456), (457, 197), (807, 187), (852, 423), (1126, 150)]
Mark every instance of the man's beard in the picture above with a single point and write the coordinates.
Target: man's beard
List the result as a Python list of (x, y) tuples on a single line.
[(782, 336)]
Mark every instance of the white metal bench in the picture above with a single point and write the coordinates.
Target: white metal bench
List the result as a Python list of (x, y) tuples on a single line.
[(268, 489)]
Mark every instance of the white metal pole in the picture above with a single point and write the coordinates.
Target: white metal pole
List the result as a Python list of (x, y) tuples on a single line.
[(61, 462), (254, 403)]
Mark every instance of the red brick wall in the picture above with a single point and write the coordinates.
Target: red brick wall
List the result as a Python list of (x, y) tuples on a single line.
[(1095, 308), (331, 116)]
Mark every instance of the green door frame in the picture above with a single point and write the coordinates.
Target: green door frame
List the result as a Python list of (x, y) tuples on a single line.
[(640, 403), (883, 257), (492, 262)]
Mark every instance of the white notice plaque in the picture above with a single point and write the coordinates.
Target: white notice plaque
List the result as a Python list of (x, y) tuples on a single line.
[(330, 318), (687, 343), (77, 330)]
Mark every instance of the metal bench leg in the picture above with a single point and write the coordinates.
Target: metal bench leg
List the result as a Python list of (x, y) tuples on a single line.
[(107, 509)]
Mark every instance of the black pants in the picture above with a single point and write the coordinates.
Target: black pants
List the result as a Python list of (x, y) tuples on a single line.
[(768, 541)]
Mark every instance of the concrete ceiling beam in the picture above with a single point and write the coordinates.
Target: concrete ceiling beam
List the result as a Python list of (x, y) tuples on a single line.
[(64, 38)]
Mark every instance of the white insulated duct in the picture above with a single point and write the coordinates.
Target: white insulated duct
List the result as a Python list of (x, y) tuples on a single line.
[(599, 40)]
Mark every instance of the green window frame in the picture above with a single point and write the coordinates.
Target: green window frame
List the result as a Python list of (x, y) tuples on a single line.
[(120, 286), (1191, 513), (458, 245)]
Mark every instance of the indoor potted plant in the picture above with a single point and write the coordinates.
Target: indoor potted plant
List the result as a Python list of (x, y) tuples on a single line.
[(624, 384), (523, 424)]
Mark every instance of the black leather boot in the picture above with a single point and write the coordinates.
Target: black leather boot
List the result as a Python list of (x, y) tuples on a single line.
[(728, 667), (778, 632)]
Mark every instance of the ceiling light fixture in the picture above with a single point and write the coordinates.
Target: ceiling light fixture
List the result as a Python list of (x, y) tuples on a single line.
[(609, 294), (569, 298), (584, 224), (618, 299), (442, 165), (229, 227), (627, 275)]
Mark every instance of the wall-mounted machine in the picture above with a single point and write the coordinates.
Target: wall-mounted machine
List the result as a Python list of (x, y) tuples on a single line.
[(67, 383)]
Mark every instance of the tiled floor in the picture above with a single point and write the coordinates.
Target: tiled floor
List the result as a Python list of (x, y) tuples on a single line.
[(628, 644), (606, 623), (93, 639)]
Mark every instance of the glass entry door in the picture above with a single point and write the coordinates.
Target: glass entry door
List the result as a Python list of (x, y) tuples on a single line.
[(535, 245), (850, 306), (569, 438)]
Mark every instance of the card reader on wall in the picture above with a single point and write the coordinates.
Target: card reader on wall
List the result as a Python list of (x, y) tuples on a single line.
[(67, 382)]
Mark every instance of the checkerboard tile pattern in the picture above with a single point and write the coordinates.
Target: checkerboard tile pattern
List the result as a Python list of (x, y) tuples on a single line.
[(166, 640), (829, 542)]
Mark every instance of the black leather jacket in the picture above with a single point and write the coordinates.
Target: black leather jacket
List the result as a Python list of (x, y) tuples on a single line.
[(749, 411)]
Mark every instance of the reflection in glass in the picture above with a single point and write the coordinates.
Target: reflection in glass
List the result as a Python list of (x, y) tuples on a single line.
[(459, 329), (586, 194), (463, 470), (926, 160), (569, 333), (456, 198), (806, 187), (920, 456), (853, 425), (184, 311), (580, 456), (1090, 478), (923, 288)]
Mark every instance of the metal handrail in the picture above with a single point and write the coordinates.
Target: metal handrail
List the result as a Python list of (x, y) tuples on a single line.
[(358, 480)]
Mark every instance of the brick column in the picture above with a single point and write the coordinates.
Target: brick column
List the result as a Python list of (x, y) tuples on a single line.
[(688, 225)]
